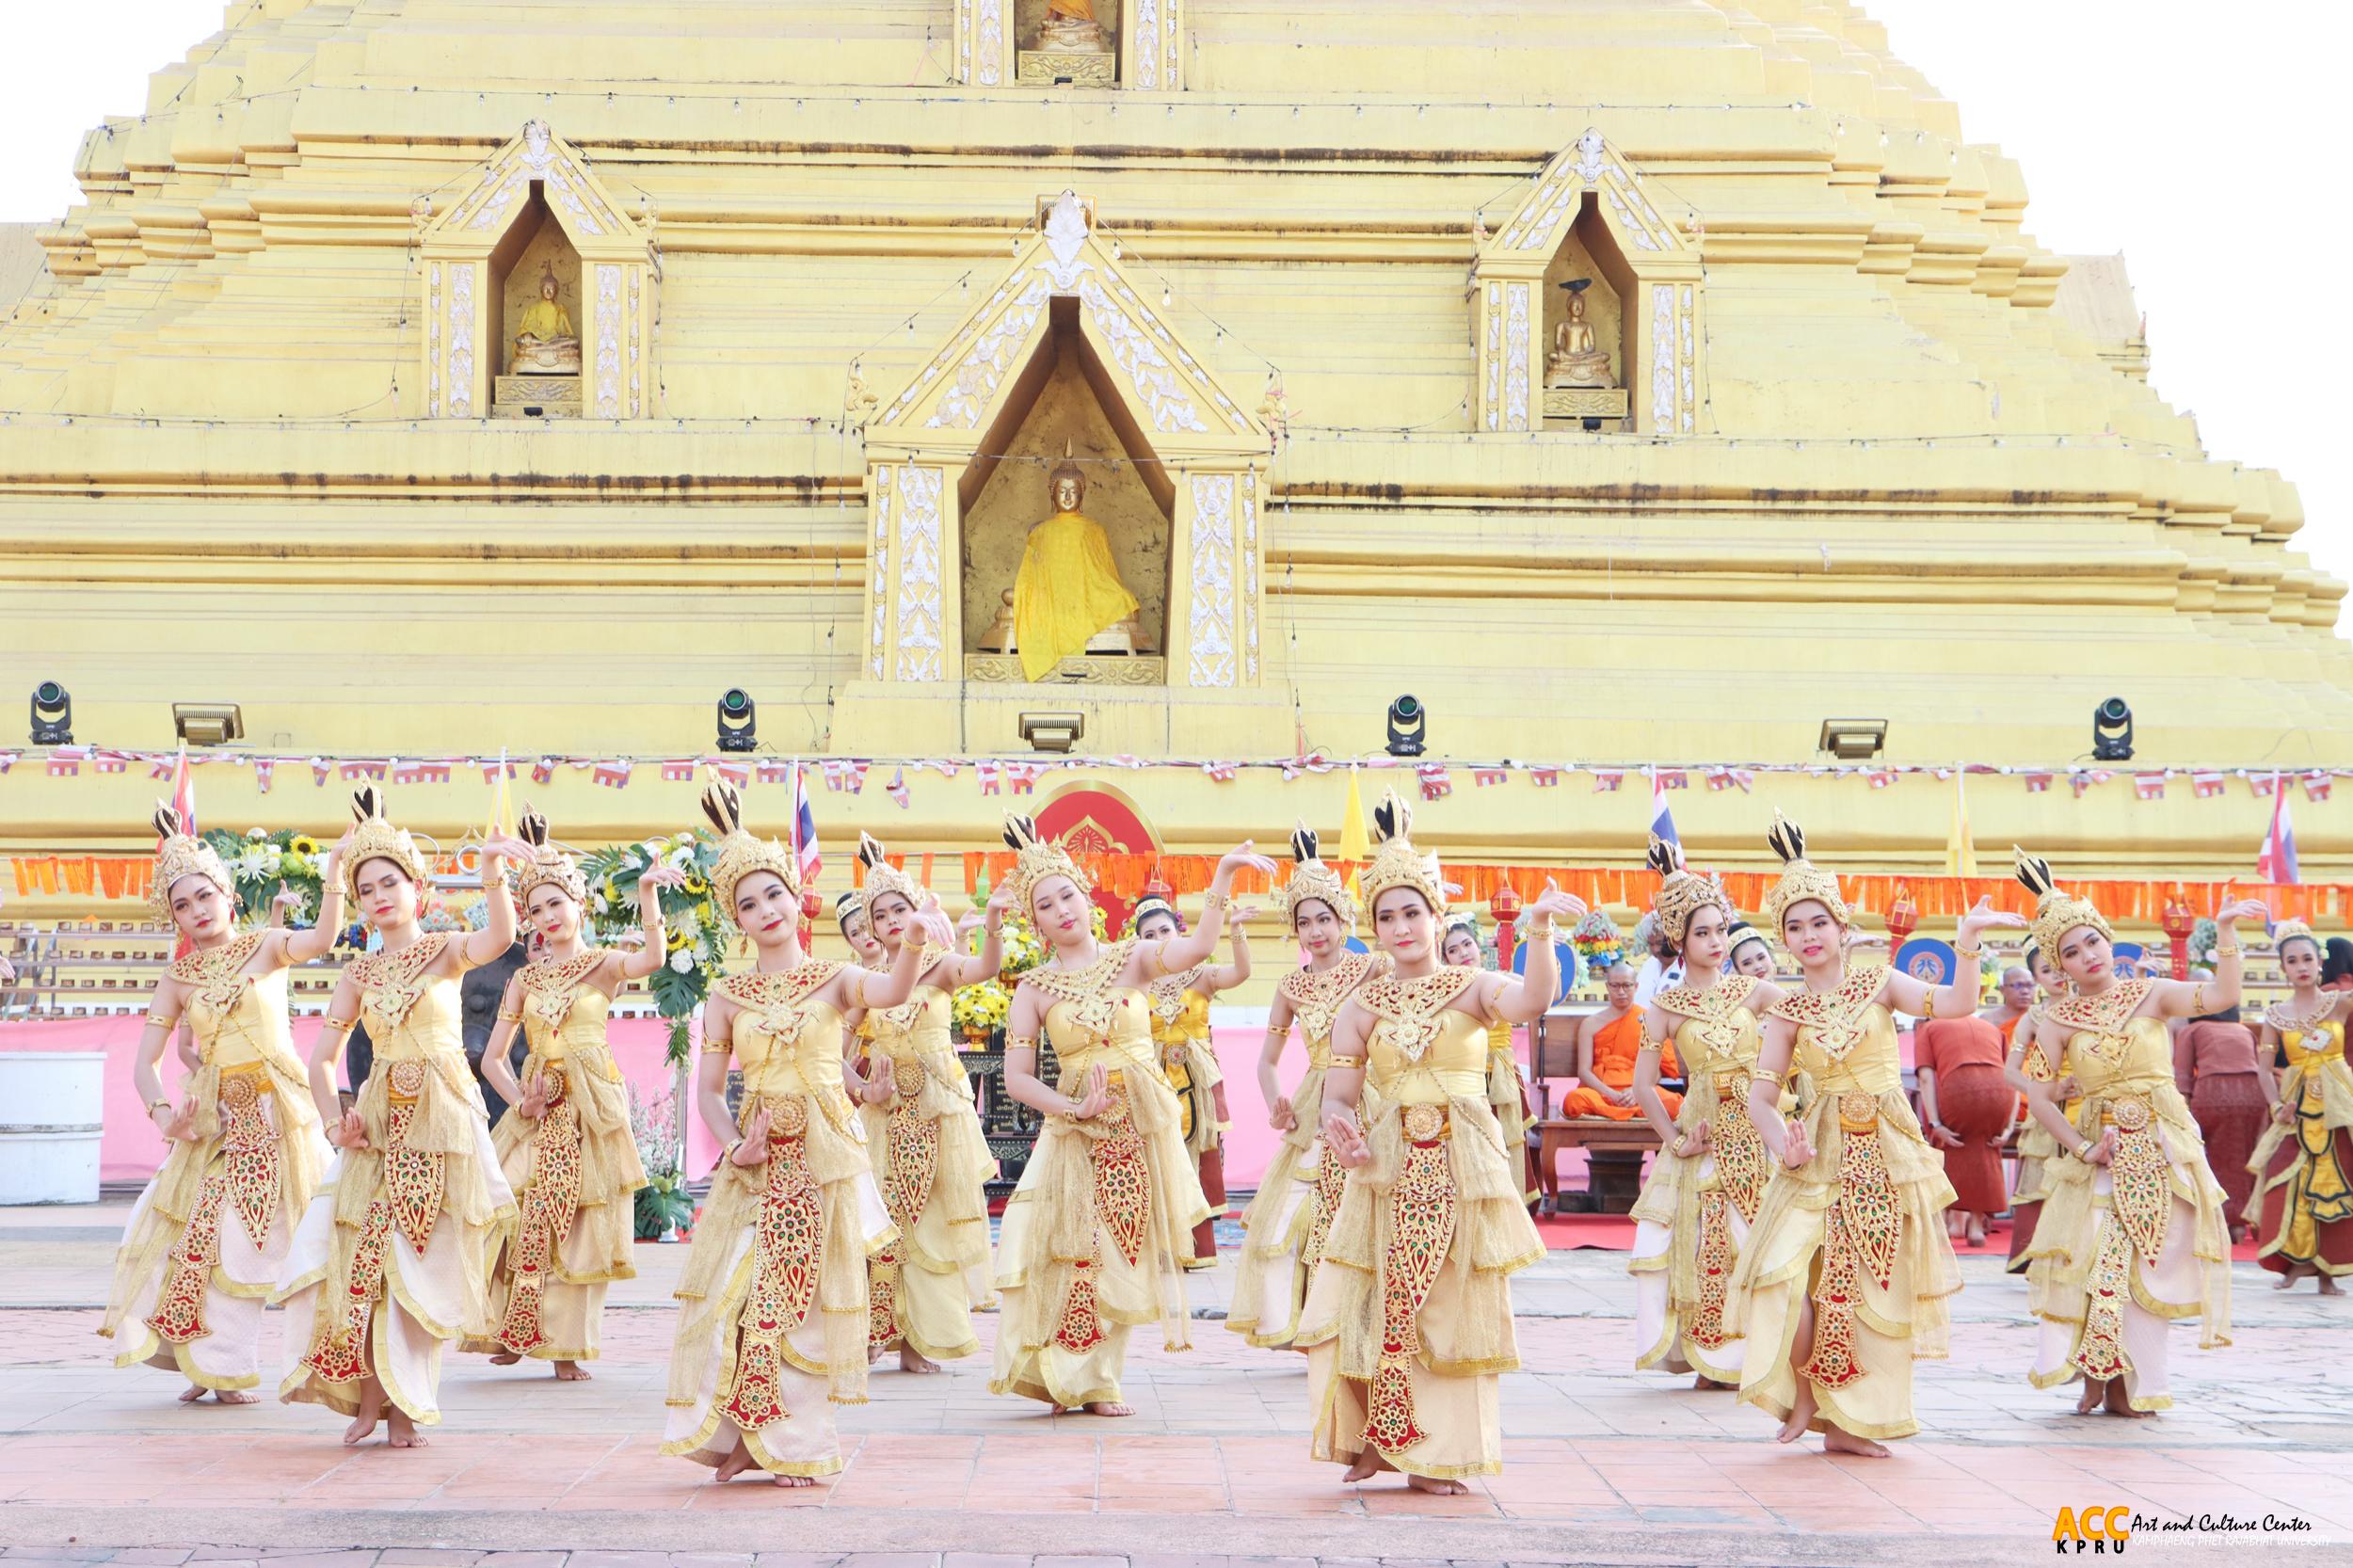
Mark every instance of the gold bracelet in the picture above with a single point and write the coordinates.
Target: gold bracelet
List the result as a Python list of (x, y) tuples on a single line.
[(1021, 1042), (2226, 952), (153, 1106), (1213, 902)]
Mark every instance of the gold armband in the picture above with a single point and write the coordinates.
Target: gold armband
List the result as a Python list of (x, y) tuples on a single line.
[(1347, 1061), (153, 1106), (1213, 902), (169, 1024), (1021, 1042), (514, 1017), (339, 1026)]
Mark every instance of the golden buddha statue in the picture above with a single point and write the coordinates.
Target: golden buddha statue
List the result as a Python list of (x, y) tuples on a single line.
[(1067, 593), (1070, 28), (1577, 359), (544, 343)]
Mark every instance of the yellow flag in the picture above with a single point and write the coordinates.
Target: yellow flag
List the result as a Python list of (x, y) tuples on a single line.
[(1355, 843), (1960, 855), (502, 804)]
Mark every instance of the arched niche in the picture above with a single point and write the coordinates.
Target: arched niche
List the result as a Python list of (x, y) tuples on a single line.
[(1065, 400), (536, 204), (1147, 57), (1065, 347), (1588, 250), (1588, 209)]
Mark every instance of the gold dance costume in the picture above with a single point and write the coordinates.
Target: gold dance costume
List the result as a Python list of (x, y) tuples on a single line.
[(2035, 1146), (1180, 1029), (2302, 1206), (935, 1168), (1693, 1216), (215, 1225), (575, 1173), (1284, 1227), (1408, 1321), (1860, 1227), (1506, 1099), (394, 1254), (1097, 1237), (2123, 1249), (773, 1309)]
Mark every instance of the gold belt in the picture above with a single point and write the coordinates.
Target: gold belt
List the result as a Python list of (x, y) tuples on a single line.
[(1426, 1125), (1858, 1111), (405, 1081), (2129, 1112), (244, 1083), (1732, 1080), (788, 1116)]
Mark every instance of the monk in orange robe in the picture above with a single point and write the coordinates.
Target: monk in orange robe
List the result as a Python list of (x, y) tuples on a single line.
[(1607, 1046)]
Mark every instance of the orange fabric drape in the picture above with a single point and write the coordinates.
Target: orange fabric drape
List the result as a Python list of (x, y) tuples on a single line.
[(109, 875)]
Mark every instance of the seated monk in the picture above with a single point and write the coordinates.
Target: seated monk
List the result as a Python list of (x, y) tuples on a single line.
[(1607, 1044)]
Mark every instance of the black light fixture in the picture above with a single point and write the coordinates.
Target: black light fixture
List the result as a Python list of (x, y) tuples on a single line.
[(1853, 740), (53, 715), (739, 728), (2112, 731), (208, 724), (1408, 719)]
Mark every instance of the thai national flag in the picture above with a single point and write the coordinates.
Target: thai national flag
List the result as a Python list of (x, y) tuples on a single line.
[(1662, 821), (805, 831), (182, 793), (2277, 860)]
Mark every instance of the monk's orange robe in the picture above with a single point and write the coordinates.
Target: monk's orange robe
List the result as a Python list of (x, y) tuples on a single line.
[(1615, 1046)]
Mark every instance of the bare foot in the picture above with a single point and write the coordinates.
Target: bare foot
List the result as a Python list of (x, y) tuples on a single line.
[(1105, 1407), (235, 1396), (874, 1354), (793, 1481), (1703, 1381), (1368, 1463), (1977, 1236), (363, 1425), (913, 1360), (2287, 1281), (570, 1372), (1800, 1415), (504, 1358), (2120, 1403), (734, 1464), (192, 1393), (2329, 1287), (400, 1431), (1838, 1442), (1435, 1487), (2089, 1400)]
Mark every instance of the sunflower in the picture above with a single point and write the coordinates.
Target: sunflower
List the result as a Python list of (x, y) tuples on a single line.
[(696, 885), (303, 845), (678, 938)]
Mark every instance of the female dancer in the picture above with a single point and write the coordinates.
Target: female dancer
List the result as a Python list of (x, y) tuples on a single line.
[(1750, 954), (1285, 1224), (2303, 1208), (773, 1310), (2132, 1232), (207, 1238), (1409, 1318), (1180, 1028), (2022, 1067), (567, 1148), (1506, 1092), (1096, 1236), (922, 1125), (1694, 1213), (394, 1254), (1842, 1282)]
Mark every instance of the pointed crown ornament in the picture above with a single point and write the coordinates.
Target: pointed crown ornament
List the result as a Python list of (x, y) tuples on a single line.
[(1396, 863), (1801, 879), (883, 878), (1681, 894), (739, 853), (376, 838), (548, 866), (183, 855), (2054, 912), (2295, 930), (1034, 859), (1313, 881)]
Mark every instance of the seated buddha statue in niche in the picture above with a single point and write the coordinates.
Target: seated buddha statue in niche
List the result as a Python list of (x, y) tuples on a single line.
[(1070, 28), (544, 343), (1577, 359), (1067, 593)]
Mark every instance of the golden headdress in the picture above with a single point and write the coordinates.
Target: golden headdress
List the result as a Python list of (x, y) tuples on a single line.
[(376, 838), (2288, 930), (847, 902), (1152, 904), (548, 864), (883, 878), (1034, 859), (1396, 863), (739, 853), (1681, 894), (1312, 881), (2054, 912), (183, 855), (1801, 879)]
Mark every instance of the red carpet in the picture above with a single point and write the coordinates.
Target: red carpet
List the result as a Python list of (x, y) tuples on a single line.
[(1615, 1233)]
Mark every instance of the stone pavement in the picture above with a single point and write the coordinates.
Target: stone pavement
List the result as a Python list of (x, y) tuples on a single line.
[(1603, 1463)]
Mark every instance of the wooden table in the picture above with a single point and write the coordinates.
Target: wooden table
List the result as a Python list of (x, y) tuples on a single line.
[(1614, 1153)]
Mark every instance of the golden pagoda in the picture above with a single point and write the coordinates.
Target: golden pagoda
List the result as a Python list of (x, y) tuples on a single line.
[(1630, 382)]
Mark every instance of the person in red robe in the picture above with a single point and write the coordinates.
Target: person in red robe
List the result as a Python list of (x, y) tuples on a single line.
[(1966, 1108)]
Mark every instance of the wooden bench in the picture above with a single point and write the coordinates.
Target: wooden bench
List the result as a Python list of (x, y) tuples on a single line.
[(1614, 1151)]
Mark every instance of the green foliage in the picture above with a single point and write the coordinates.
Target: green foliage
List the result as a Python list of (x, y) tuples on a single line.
[(697, 934), (261, 861)]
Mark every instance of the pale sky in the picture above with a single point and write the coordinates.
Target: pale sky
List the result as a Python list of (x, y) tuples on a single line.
[(2192, 137)]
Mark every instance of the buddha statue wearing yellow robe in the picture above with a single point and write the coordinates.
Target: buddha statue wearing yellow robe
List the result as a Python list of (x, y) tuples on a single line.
[(1068, 588), (544, 341), (1070, 28)]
